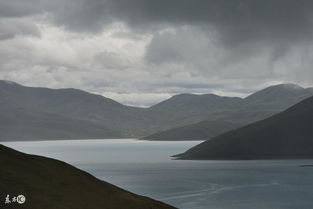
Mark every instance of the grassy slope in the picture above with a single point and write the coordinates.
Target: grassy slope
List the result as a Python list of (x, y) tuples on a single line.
[(52, 184)]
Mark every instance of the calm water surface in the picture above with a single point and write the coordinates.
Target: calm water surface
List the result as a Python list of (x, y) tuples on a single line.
[(145, 168)]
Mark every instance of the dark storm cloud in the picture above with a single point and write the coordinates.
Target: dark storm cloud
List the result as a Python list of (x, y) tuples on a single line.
[(239, 25), (243, 19), (237, 20), (18, 8)]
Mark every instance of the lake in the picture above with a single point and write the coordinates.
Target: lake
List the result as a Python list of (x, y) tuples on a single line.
[(145, 167)]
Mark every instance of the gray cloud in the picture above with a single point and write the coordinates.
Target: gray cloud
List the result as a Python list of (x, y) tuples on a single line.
[(112, 60), (10, 27), (237, 20), (243, 26)]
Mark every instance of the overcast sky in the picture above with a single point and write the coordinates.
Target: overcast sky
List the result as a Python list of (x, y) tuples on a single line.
[(139, 52)]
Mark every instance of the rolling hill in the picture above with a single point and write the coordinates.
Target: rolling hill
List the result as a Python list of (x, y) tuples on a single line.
[(285, 135)]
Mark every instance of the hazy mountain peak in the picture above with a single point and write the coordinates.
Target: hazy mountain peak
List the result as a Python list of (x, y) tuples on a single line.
[(280, 90), (189, 95), (283, 87), (188, 98), (210, 95), (289, 86), (184, 95)]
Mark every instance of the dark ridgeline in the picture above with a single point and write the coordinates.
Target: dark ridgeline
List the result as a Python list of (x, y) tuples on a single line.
[(41, 113), (285, 135), (52, 184)]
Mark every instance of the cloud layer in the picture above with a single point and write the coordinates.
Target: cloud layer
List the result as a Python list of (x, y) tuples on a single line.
[(146, 51)]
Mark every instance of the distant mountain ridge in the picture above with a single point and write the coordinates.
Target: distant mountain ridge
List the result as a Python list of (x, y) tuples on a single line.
[(288, 134), (186, 109), (278, 96), (257, 106), (41, 113)]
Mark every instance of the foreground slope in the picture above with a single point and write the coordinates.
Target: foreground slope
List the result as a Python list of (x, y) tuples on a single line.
[(53, 184), (286, 135)]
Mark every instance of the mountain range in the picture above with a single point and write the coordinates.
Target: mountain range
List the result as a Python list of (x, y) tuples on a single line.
[(32, 113), (235, 113), (52, 184), (288, 134)]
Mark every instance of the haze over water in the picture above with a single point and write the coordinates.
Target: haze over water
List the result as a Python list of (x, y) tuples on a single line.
[(146, 168)]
